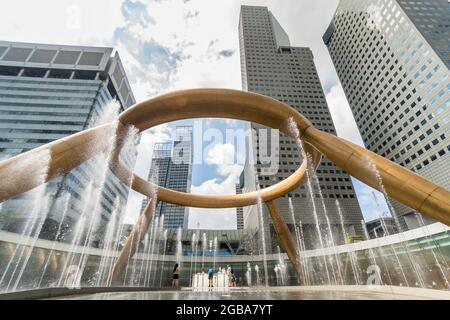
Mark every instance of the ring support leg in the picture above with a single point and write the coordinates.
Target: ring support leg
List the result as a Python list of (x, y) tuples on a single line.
[(132, 243), (284, 235)]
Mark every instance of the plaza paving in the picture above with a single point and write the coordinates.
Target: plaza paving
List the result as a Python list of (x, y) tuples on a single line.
[(279, 293)]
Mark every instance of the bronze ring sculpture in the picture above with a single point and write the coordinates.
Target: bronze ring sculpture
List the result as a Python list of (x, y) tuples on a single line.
[(399, 183)]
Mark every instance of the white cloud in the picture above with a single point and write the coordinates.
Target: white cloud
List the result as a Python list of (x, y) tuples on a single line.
[(32, 21), (204, 61), (151, 56), (170, 45), (224, 157), (214, 218), (215, 186)]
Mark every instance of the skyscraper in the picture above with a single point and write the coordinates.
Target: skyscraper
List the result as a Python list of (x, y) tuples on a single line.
[(172, 168), (271, 66), (48, 92), (392, 57), (432, 19)]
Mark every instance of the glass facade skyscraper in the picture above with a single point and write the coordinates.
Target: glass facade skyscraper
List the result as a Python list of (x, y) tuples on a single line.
[(48, 92), (172, 169), (432, 20), (272, 67), (392, 59)]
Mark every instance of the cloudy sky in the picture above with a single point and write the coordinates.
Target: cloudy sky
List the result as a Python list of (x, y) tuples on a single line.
[(168, 45)]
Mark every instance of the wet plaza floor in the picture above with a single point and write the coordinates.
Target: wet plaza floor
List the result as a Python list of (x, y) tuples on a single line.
[(285, 293)]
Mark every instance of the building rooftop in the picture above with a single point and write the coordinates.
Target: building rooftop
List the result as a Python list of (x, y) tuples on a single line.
[(88, 59)]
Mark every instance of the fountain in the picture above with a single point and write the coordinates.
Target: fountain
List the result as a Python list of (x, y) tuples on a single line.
[(329, 235), (417, 270), (156, 245), (303, 259), (277, 277), (258, 278), (193, 246), (164, 256), (263, 236), (200, 281), (45, 206), (438, 264), (29, 237), (281, 268), (297, 236), (144, 262), (195, 250), (292, 127), (351, 254), (62, 208), (248, 274), (154, 229), (372, 258), (179, 247), (149, 240), (86, 253), (382, 255), (317, 226), (215, 248), (204, 244)]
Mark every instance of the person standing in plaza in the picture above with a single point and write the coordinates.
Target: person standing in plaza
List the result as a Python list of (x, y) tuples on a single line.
[(175, 276), (210, 277), (233, 278)]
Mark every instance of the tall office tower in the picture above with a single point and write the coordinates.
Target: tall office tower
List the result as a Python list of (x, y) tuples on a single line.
[(48, 92), (432, 20), (272, 67), (392, 59), (172, 168)]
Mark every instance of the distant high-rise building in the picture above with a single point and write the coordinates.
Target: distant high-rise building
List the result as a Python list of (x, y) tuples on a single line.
[(392, 57), (48, 92), (159, 170), (272, 67), (381, 227), (172, 168)]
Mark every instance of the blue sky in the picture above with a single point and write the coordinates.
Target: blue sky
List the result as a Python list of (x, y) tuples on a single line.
[(167, 45)]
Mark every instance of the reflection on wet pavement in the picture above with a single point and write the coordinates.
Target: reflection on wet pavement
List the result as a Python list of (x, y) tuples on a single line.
[(263, 294)]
